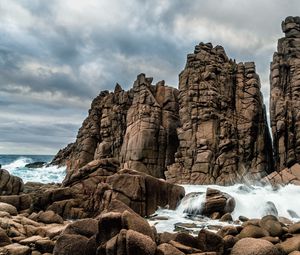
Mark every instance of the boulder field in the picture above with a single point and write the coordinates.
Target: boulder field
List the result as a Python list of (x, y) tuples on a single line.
[(116, 226)]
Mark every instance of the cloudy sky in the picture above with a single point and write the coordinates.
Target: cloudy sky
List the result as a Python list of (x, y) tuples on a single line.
[(56, 56)]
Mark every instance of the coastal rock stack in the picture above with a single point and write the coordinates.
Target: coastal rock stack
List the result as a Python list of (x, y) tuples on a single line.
[(223, 137), (212, 130), (285, 96), (136, 127)]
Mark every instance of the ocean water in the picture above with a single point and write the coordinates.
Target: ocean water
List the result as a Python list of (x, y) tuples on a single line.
[(251, 201), (15, 164)]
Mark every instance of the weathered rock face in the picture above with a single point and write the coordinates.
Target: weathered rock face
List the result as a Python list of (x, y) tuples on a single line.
[(285, 96), (223, 137), (213, 130), (82, 195), (10, 184), (63, 155), (150, 139), (98, 186), (137, 127), (285, 176), (102, 132), (141, 192)]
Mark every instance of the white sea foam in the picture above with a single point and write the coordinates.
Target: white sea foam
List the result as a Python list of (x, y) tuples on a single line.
[(18, 163), (251, 201), (44, 174)]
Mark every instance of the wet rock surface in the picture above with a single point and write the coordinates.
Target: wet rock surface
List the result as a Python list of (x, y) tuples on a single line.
[(216, 205), (36, 164)]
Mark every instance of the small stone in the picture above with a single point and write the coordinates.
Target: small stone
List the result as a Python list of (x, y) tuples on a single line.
[(271, 224), (15, 249), (294, 228), (253, 231), (4, 239), (251, 246), (8, 208), (243, 218), (226, 217), (167, 249), (45, 245), (49, 217)]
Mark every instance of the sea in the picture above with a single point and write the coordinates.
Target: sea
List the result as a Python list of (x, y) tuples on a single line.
[(252, 201), (15, 164)]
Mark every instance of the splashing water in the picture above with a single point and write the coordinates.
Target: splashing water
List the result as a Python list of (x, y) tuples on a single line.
[(251, 201), (15, 164), (18, 163)]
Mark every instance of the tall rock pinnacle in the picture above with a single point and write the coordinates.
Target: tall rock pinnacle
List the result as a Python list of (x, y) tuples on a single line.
[(150, 140), (212, 130), (285, 96), (223, 137)]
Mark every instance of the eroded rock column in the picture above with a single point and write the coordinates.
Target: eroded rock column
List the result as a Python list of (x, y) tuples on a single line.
[(150, 140), (223, 137), (285, 96)]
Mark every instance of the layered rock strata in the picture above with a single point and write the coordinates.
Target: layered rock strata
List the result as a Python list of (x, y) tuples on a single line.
[(223, 137), (285, 96)]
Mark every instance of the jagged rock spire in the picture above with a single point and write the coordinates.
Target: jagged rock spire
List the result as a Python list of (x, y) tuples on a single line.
[(223, 137), (285, 95)]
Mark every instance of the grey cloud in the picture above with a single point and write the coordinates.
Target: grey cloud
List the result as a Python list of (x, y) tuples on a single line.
[(55, 68)]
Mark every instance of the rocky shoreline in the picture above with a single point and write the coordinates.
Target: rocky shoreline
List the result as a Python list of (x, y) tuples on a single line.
[(136, 146), (117, 226)]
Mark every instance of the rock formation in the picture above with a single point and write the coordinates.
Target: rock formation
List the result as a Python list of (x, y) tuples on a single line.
[(212, 130), (285, 96), (102, 132), (137, 127), (150, 140), (284, 177), (10, 184), (223, 137)]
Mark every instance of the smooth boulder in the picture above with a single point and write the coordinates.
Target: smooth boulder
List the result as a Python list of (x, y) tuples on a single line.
[(4, 207), (252, 246), (70, 245), (217, 202)]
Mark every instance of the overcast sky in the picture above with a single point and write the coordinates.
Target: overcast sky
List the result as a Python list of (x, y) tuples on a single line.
[(56, 56)]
